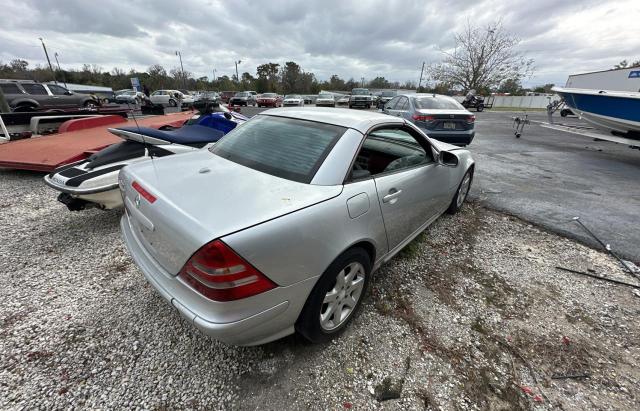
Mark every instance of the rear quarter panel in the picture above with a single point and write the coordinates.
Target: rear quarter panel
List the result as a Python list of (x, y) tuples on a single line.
[(302, 244)]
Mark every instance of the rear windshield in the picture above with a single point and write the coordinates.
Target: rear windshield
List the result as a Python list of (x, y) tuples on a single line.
[(288, 148), (436, 103)]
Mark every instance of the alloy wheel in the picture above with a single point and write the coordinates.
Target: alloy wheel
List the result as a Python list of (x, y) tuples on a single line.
[(464, 189), (340, 302)]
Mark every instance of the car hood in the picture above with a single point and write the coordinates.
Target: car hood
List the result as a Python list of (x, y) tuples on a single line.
[(200, 197)]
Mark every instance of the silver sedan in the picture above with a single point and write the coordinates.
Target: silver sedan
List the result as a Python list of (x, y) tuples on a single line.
[(280, 226)]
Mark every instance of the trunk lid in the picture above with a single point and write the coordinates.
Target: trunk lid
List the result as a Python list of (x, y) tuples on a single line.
[(200, 197)]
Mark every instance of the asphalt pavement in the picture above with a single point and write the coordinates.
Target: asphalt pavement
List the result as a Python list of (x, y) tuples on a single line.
[(547, 177)]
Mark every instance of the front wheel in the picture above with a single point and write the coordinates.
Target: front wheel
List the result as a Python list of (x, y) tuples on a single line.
[(336, 297), (461, 194), (172, 103), (480, 107)]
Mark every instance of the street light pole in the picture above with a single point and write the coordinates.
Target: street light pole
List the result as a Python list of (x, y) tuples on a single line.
[(237, 76), (362, 82), (184, 80), (214, 74), (421, 72), (49, 61), (64, 80)]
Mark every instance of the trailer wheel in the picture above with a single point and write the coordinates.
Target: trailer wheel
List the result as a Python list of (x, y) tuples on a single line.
[(480, 108)]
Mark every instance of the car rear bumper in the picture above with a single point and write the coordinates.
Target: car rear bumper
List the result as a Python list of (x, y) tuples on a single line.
[(455, 137), (265, 317)]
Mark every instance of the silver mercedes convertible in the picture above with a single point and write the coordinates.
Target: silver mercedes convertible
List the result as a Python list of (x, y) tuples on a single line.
[(279, 227)]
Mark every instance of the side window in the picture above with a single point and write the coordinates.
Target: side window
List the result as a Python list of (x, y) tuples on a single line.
[(35, 89), (390, 149), (403, 104), (57, 90), (391, 103), (10, 88)]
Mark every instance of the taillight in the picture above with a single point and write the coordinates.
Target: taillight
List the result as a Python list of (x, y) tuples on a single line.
[(220, 274), (144, 193), (417, 117), (471, 119)]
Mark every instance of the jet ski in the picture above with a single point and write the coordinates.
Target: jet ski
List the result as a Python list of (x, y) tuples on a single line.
[(93, 182)]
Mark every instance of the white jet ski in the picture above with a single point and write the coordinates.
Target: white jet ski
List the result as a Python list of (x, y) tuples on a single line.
[(94, 182)]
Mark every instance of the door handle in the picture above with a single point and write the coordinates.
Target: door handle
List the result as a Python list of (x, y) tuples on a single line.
[(393, 195)]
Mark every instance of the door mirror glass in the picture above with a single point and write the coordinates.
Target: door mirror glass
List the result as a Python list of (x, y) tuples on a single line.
[(448, 159), (68, 93)]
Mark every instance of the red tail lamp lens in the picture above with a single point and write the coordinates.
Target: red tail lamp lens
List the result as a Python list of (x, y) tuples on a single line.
[(471, 119), (220, 274), (417, 117), (144, 193)]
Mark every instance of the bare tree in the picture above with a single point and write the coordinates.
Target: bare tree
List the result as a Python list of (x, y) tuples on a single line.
[(483, 58)]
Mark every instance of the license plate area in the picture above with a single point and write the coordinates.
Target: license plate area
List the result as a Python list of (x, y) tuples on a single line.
[(449, 125)]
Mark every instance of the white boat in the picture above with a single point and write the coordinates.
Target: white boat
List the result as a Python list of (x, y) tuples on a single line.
[(616, 112)]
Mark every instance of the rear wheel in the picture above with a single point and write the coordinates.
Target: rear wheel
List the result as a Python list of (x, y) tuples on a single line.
[(461, 194), (480, 107), (90, 104), (336, 297)]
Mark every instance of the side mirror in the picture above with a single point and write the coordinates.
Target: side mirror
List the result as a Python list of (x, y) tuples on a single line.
[(68, 93), (448, 159)]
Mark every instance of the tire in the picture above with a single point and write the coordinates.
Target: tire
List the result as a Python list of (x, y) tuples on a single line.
[(309, 323), (480, 108), (463, 190), (90, 104), (563, 113), (172, 103)]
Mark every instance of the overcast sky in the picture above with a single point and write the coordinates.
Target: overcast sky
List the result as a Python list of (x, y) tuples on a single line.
[(350, 38)]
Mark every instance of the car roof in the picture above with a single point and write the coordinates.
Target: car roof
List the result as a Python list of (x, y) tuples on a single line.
[(356, 119)]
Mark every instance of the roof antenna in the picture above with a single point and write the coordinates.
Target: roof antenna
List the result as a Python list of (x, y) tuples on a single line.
[(144, 142)]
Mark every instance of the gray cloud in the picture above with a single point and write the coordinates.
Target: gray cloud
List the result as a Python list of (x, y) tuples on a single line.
[(352, 39)]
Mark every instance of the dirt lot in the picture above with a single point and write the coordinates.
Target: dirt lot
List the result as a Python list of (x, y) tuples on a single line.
[(472, 315)]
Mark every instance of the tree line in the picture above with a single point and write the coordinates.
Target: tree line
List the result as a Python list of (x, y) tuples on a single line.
[(269, 77)]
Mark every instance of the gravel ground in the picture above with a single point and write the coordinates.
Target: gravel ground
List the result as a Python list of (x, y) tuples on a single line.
[(472, 315)]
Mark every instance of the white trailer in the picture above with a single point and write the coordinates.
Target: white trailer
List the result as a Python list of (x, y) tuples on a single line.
[(626, 79)]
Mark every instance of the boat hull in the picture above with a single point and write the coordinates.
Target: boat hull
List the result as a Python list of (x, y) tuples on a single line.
[(610, 111)]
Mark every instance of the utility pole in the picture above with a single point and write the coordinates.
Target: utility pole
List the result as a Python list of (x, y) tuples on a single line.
[(64, 80), (49, 61), (420, 82), (237, 76), (362, 82), (184, 80), (214, 74)]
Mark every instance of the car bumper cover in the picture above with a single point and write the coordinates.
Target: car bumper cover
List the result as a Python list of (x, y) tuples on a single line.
[(266, 323)]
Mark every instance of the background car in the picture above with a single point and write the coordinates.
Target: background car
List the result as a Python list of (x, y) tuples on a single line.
[(243, 98), (314, 203), (269, 100), (130, 97), (225, 96), (292, 100), (441, 117), (360, 97), (171, 98), (343, 101), (27, 95), (325, 100), (187, 98), (385, 96)]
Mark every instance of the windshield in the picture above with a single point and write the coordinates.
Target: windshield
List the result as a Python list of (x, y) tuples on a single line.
[(293, 96), (242, 94), (388, 94), (325, 96), (269, 95), (287, 148), (436, 103), (360, 91)]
